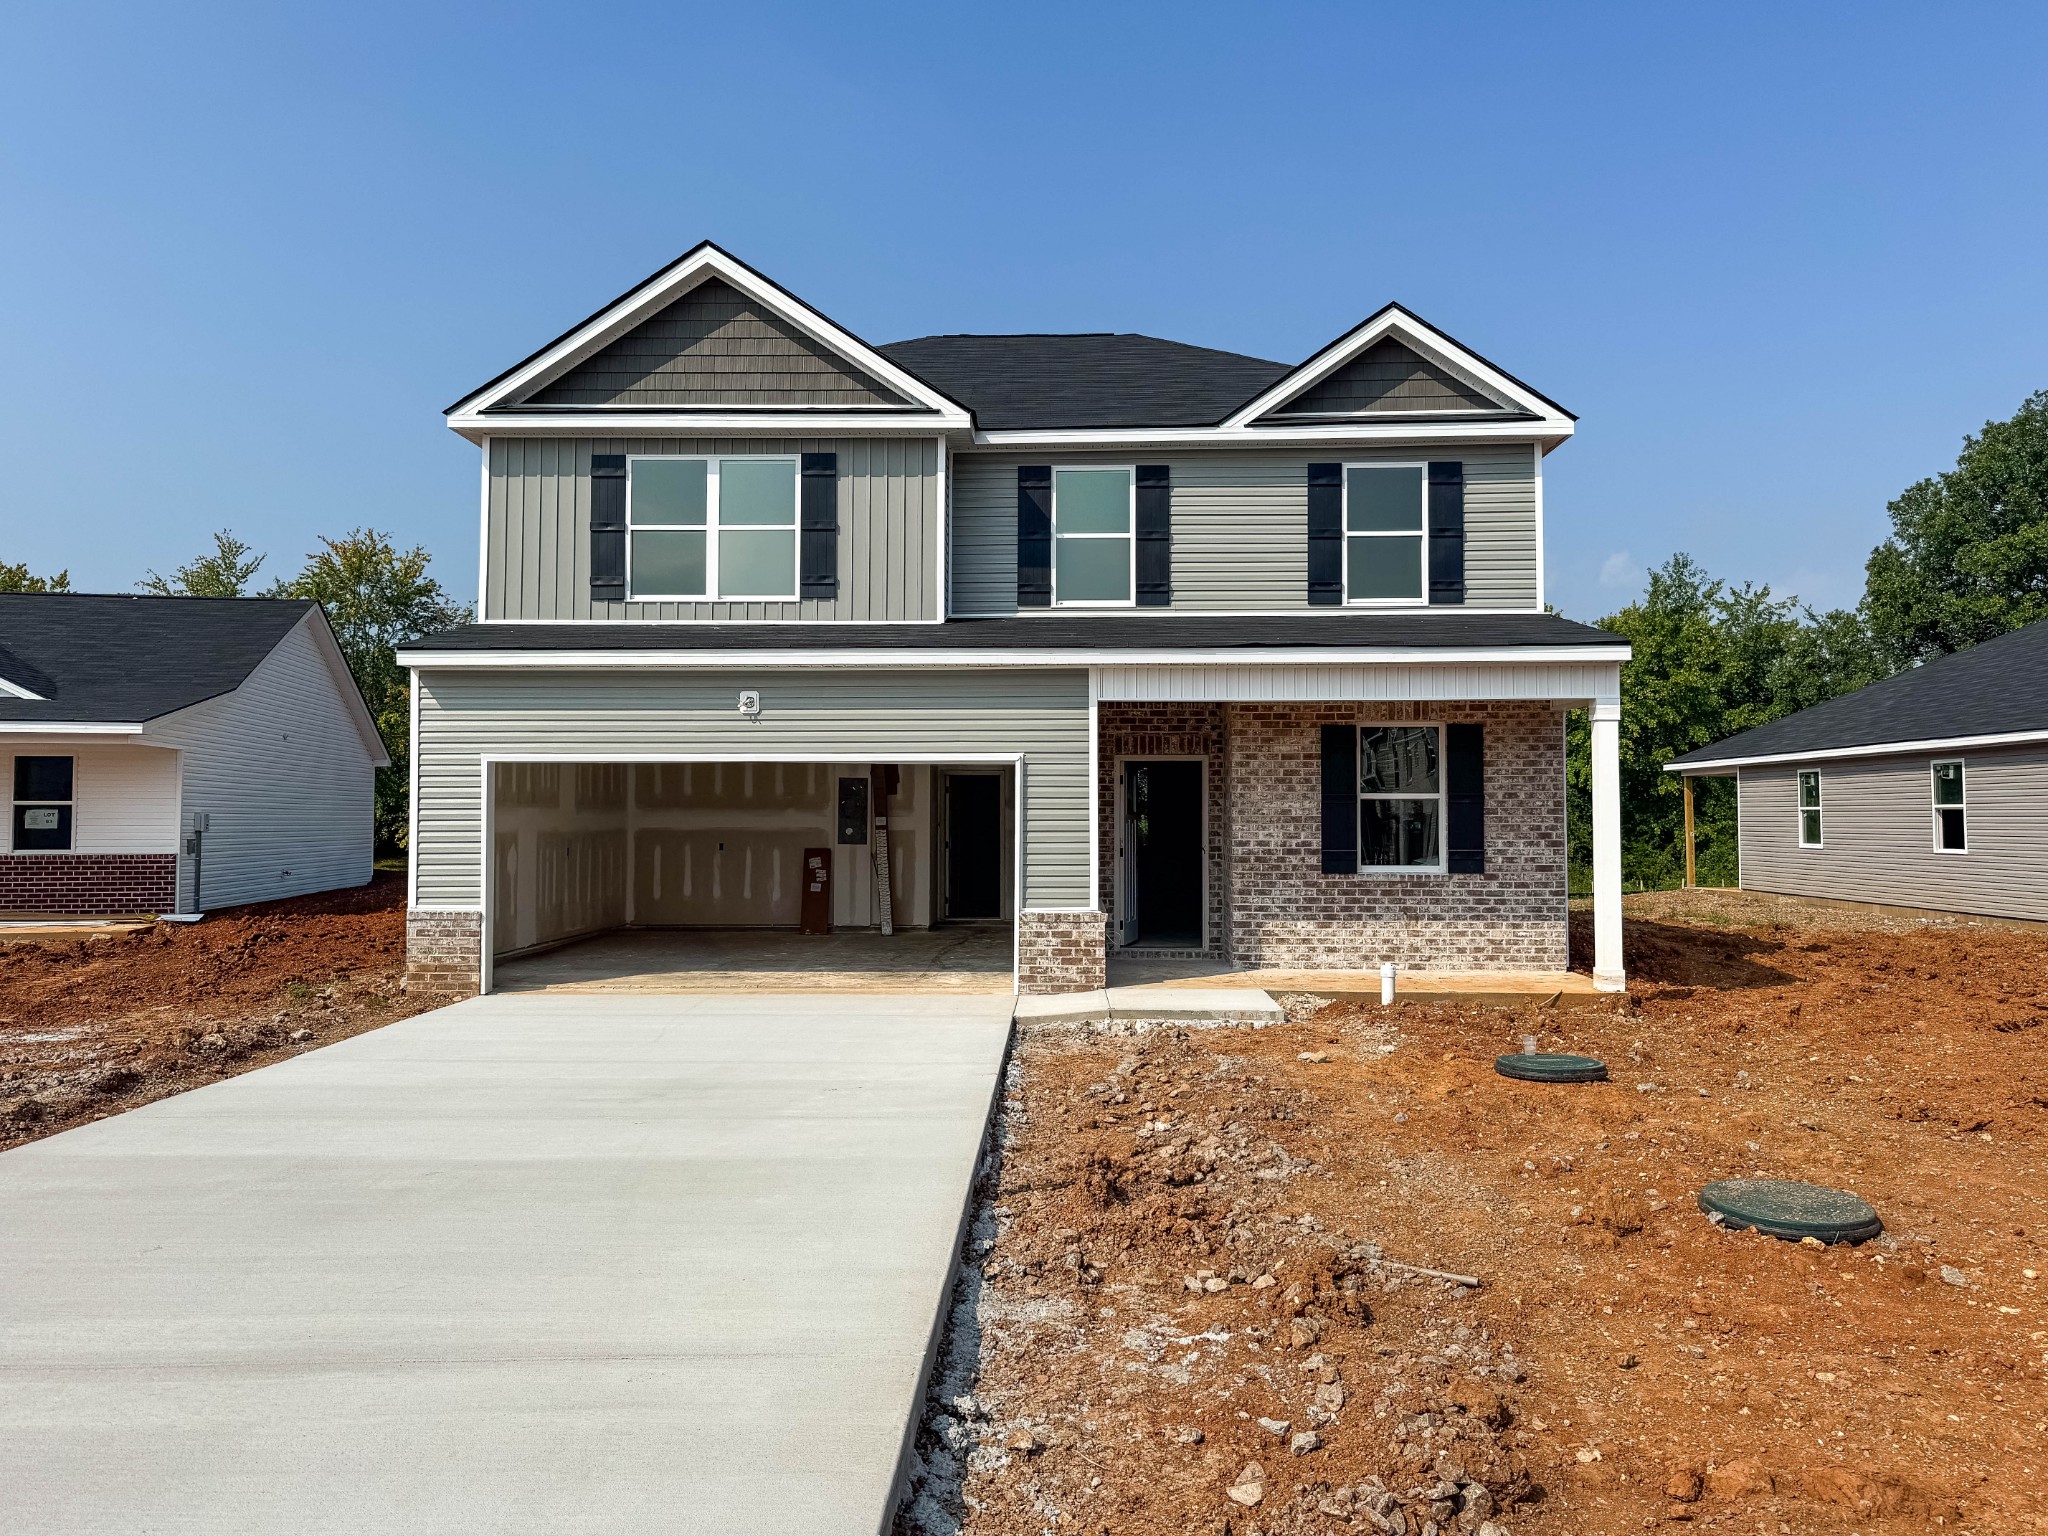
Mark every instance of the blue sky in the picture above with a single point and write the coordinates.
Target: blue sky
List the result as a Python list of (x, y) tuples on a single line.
[(1779, 259)]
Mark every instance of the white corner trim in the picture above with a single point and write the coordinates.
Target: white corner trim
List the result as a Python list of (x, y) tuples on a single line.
[(706, 261), (1877, 749), (761, 660), (1424, 338), (16, 691)]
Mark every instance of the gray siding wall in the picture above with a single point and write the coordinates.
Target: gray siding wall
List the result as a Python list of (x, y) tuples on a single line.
[(537, 539), (286, 778), (1877, 833), (1240, 524), (1389, 378), (830, 716)]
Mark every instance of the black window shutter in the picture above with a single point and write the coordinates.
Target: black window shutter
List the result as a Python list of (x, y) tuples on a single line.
[(607, 527), (1447, 533), (1340, 799), (1326, 541), (818, 522), (1465, 799), (1155, 536), (1034, 536)]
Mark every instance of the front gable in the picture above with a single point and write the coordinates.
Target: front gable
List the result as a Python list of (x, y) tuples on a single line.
[(1391, 378)]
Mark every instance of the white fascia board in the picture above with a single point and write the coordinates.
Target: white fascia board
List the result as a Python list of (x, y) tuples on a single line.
[(1424, 338), (1548, 432), (1877, 749), (71, 728), (16, 691), (346, 685), (832, 421), (706, 262), (1304, 656)]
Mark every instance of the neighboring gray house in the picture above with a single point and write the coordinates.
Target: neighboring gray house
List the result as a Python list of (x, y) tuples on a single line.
[(1141, 644), (1929, 789), (177, 754)]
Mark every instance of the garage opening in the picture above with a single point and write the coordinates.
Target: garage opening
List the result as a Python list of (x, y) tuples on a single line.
[(751, 876)]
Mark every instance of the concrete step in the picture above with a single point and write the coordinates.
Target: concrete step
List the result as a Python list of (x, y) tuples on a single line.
[(1209, 1005)]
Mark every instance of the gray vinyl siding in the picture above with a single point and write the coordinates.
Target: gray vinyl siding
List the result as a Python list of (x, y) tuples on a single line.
[(537, 530), (1389, 379), (286, 778), (1877, 833), (1240, 524), (830, 716)]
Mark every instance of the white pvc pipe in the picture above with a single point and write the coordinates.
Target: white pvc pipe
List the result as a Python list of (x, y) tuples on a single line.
[(1387, 984)]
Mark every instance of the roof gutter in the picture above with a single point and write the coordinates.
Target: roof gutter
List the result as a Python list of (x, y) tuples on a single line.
[(1877, 749)]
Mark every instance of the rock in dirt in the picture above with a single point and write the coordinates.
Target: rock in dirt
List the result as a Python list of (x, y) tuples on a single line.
[(1950, 1275), (1025, 1442), (1683, 1485), (1739, 1479), (1275, 1427), (1250, 1486), (1304, 1442)]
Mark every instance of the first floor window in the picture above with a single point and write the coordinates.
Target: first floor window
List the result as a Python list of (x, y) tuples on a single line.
[(1093, 553), (1400, 797), (42, 804), (711, 527), (1809, 808), (1384, 532), (1951, 806)]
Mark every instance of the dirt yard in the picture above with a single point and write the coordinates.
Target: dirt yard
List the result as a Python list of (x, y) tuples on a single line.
[(90, 1027), (1185, 1306)]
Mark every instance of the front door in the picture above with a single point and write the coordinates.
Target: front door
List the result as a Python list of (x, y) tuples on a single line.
[(974, 846), (1162, 848)]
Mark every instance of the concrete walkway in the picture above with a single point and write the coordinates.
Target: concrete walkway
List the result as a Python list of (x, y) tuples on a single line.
[(527, 1264)]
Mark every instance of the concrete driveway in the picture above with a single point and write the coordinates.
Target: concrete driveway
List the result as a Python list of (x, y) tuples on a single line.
[(544, 1263)]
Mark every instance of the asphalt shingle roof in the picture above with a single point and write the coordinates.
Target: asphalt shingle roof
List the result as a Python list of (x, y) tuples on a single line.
[(1049, 382), (110, 658), (1991, 689)]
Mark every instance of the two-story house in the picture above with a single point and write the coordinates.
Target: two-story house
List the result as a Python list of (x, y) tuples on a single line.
[(1121, 642)]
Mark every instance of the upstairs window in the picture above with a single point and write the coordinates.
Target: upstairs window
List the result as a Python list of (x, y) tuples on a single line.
[(1951, 808), (711, 528), (1809, 808), (1093, 552), (42, 804), (1384, 533), (1400, 797)]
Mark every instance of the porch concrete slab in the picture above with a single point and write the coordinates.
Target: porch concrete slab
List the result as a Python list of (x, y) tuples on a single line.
[(1220, 1005), (526, 1264)]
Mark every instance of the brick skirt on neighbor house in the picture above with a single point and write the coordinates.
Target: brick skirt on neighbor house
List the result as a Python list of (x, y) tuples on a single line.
[(88, 884)]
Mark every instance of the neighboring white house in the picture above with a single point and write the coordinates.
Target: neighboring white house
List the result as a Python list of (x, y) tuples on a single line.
[(177, 754)]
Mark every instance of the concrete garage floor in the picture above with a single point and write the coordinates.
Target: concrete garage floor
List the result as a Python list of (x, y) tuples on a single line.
[(525, 1264), (971, 959)]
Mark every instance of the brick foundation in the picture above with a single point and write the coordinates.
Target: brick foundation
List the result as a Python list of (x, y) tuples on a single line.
[(443, 951), (1061, 951), (88, 884), (1286, 914)]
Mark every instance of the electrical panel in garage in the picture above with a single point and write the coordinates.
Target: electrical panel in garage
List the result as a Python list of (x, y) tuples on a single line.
[(853, 810)]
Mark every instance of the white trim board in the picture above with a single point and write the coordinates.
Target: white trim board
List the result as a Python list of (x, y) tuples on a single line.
[(760, 660), (1721, 765)]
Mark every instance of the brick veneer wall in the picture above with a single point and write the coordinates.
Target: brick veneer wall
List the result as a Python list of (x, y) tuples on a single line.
[(1061, 951), (443, 951), (1166, 730), (1285, 913), (88, 884)]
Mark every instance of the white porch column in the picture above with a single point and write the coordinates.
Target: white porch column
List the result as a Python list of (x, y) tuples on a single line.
[(1607, 969)]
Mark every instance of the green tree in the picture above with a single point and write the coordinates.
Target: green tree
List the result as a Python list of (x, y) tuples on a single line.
[(1968, 554), (224, 573), (377, 598), (16, 578)]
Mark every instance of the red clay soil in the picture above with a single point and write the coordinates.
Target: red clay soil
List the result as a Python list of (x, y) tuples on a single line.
[(92, 1026), (1192, 1261)]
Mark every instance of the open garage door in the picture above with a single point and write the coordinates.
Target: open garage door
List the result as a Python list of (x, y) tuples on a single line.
[(764, 875)]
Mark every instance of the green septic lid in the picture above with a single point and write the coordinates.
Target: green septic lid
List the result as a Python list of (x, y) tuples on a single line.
[(1791, 1210), (1544, 1067)]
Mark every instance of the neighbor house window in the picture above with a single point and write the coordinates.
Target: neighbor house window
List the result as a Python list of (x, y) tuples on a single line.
[(711, 527), (1809, 808), (1093, 553), (1951, 806), (1400, 797), (1384, 533), (42, 804)]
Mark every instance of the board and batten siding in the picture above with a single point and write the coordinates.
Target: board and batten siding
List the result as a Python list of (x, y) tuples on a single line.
[(1240, 524), (537, 530), (829, 716), (1877, 833), (285, 776)]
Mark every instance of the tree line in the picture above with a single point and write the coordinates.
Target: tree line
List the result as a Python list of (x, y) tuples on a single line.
[(377, 596), (1966, 560)]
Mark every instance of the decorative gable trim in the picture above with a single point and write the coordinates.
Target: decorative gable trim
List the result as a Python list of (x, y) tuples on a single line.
[(496, 407), (1517, 401)]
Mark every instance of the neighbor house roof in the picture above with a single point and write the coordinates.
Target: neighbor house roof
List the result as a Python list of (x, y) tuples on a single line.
[(1048, 634), (1090, 380), (94, 659), (1996, 689)]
